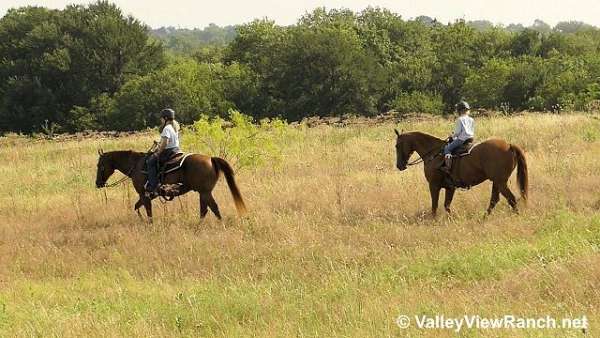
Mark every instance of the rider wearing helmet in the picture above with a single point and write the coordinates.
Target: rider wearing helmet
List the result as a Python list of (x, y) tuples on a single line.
[(167, 147), (464, 130)]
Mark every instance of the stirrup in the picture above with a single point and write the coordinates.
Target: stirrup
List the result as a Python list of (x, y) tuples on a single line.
[(170, 190), (150, 193)]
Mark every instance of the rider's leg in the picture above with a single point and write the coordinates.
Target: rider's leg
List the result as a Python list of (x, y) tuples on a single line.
[(449, 148), (448, 152), (152, 173)]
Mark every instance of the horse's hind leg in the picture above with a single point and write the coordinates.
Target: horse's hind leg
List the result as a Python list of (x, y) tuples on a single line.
[(212, 204), (505, 191), (203, 205), (494, 199)]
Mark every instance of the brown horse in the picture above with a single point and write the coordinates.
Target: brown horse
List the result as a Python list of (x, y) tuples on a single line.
[(198, 173), (492, 160)]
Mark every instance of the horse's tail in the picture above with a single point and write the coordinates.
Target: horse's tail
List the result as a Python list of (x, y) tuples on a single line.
[(221, 165), (522, 178)]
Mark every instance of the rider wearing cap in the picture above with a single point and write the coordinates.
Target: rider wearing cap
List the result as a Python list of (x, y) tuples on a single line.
[(464, 130), (168, 146)]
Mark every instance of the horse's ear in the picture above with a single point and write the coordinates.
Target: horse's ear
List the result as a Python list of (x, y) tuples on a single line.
[(100, 152), (397, 133)]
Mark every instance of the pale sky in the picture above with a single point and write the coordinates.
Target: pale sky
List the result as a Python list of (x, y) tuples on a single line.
[(190, 13)]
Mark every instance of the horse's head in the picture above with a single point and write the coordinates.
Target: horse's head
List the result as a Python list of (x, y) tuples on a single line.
[(403, 150), (105, 169)]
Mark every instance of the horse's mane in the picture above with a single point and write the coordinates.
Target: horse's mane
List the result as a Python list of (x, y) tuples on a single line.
[(123, 153), (422, 135)]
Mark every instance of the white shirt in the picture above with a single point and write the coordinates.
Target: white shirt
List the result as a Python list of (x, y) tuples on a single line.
[(465, 127), (171, 135)]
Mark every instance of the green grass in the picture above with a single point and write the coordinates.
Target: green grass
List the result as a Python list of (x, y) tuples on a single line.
[(338, 242)]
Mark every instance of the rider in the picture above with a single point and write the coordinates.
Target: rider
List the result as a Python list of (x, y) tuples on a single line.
[(168, 146), (464, 130)]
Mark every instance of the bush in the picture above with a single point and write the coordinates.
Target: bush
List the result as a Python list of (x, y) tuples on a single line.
[(485, 86), (418, 102), (239, 140)]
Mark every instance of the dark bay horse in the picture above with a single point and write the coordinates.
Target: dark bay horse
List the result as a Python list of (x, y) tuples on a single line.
[(492, 160), (198, 173)]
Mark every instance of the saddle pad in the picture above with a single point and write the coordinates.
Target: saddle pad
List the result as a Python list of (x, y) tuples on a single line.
[(174, 158), (467, 152), (172, 166)]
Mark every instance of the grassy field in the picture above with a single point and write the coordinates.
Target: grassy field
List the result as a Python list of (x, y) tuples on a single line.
[(337, 242)]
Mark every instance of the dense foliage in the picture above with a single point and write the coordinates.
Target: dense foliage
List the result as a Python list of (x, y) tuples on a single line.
[(91, 67), (59, 65), (242, 141), (189, 41)]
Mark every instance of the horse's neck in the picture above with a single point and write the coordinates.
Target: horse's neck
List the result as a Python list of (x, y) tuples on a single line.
[(426, 145), (125, 161)]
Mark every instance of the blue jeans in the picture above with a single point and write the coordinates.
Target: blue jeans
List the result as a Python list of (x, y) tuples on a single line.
[(153, 163), (452, 145)]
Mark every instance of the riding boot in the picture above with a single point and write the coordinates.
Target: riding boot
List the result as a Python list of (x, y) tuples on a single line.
[(152, 183), (447, 165)]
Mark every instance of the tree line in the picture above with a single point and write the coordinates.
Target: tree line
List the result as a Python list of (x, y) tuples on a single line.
[(92, 67)]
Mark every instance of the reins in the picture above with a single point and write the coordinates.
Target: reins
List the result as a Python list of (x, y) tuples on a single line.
[(121, 180), (124, 178), (421, 158)]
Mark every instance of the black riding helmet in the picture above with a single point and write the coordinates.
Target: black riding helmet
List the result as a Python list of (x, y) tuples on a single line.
[(168, 114), (462, 106)]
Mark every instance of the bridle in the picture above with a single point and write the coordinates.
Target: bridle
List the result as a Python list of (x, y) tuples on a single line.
[(121, 180), (423, 159), (128, 174)]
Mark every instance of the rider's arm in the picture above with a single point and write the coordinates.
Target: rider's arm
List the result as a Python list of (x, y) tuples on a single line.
[(161, 145), (457, 129)]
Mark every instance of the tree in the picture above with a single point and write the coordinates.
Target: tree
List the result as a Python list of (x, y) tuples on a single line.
[(541, 27), (191, 89), (569, 27), (426, 20), (481, 25), (515, 28), (455, 50), (486, 86), (526, 42), (56, 62), (527, 74), (259, 47), (328, 73)]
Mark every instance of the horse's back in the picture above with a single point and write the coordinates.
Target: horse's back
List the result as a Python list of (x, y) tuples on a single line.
[(495, 157), (491, 145), (199, 164), (199, 172)]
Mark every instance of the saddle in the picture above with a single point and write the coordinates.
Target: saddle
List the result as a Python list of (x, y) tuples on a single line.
[(461, 151), (172, 163), (464, 149)]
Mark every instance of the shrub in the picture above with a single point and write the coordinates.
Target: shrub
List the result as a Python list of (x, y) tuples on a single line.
[(239, 140), (418, 102)]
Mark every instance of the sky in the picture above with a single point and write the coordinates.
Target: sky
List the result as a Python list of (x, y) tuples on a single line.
[(199, 13)]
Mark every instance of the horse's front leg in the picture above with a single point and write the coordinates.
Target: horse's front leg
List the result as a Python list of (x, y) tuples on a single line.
[(434, 189), (138, 205), (448, 199), (148, 206)]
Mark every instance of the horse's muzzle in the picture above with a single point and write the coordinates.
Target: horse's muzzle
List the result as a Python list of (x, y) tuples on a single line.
[(100, 185), (401, 167)]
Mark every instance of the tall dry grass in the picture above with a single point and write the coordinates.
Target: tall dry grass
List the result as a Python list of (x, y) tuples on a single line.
[(337, 243)]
